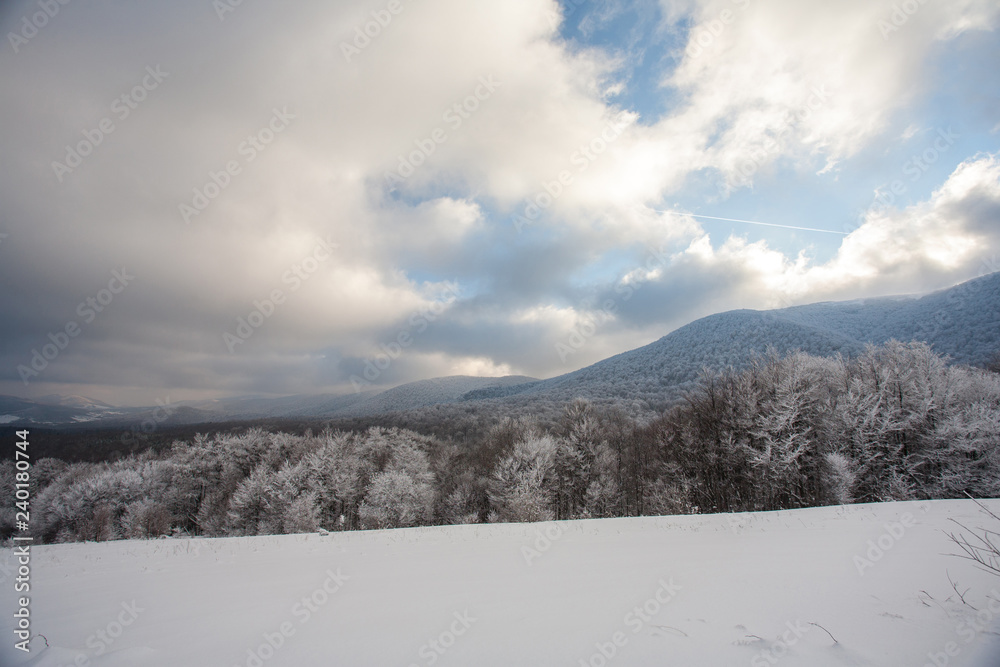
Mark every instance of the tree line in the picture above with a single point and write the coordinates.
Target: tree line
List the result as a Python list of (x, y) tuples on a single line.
[(895, 423)]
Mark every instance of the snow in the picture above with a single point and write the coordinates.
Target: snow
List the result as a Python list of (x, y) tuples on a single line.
[(962, 322), (718, 590), (422, 393)]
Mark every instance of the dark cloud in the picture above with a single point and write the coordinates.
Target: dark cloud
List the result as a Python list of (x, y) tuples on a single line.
[(259, 123)]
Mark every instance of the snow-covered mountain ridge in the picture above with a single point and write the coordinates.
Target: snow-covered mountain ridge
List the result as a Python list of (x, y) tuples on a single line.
[(962, 322)]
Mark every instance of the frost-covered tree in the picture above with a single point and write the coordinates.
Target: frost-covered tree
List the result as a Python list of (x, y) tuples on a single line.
[(788, 401), (519, 491), (896, 421), (901, 418), (143, 519), (960, 453), (332, 476), (755, 439), (255, 507), (459, 506), (838, 479), (302, 514), (395, 500), (400, 490)]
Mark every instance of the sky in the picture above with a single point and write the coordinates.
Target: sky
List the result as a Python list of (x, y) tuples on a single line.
[(209, 198)]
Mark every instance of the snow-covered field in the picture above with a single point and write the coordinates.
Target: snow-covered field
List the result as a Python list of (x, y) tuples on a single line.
[(723, 590)]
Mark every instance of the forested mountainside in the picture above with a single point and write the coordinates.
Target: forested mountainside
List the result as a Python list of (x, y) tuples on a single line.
[(895, 423), (428, 392), (962, 323)]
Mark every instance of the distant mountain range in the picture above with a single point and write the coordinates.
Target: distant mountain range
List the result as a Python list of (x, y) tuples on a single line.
[(962, 322), (80, 411)]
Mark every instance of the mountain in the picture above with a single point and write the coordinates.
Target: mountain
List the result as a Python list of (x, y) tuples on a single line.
[(428, 392), (408, 396), (659, 372), (54, 409), (962, 322), (80, 402), (262, 407), (72, 410)]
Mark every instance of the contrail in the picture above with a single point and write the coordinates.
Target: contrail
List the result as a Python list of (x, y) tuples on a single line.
[(754, 222)]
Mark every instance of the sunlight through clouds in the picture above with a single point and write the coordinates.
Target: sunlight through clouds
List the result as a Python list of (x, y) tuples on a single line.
[(530, 154)]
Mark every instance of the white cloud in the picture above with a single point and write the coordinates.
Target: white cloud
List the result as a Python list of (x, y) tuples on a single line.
[(942, 241), (949, 235), (530, 108), (798, 79)]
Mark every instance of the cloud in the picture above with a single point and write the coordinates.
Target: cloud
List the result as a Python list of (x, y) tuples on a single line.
[(796, 80), (409, 156), (947, 238), (944, 240)]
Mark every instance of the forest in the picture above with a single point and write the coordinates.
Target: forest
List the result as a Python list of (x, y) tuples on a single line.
[(894, 423)]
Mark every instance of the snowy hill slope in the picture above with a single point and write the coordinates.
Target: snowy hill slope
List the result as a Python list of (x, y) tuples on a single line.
[(660, 371), (169, 413), (962, 322), (712, 591), (425, 392), (54, 410), (252, 407), (407, 396), (404, 397)]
